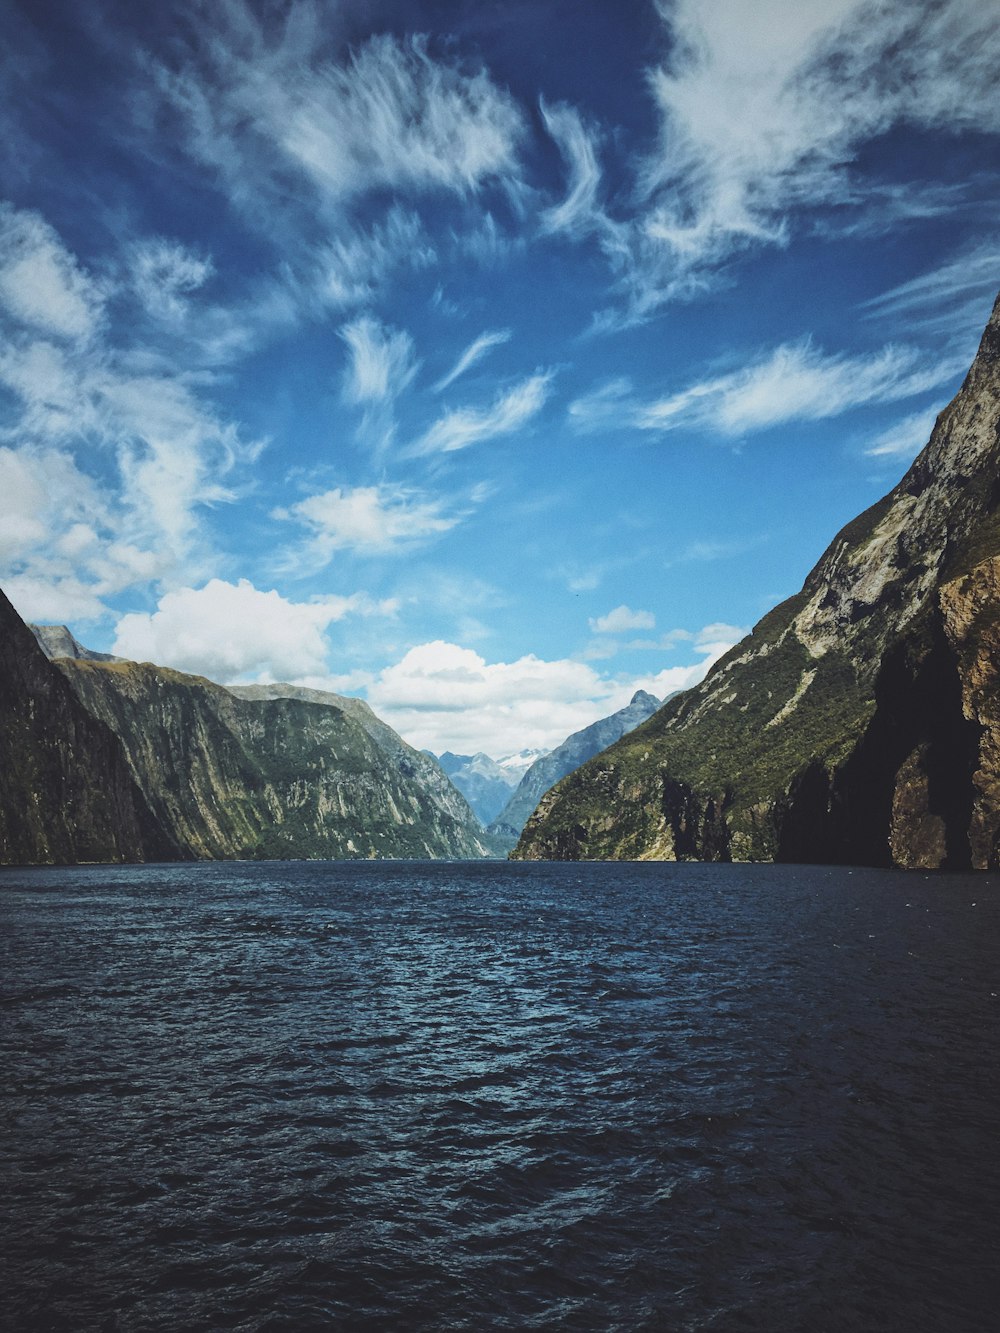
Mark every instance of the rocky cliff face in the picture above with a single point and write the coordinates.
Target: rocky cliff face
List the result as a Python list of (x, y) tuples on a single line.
[(859, 721), (574, 751), (66, 792), (277, 774)]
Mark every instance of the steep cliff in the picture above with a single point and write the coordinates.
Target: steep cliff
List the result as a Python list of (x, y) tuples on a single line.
[(858, 722), (66, 793), (272, 776), (545, 772)]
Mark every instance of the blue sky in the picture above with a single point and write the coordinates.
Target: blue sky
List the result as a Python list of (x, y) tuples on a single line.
[(488, 360)]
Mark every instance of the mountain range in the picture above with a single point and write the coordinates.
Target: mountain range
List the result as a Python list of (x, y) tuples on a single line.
[(859, 722), (548, 769), (106, 760), (487, 783)]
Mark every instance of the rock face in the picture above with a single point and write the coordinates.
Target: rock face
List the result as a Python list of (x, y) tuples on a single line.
[(57, 641), (273, 771), (860, 721), (66, 792), (574, 751)]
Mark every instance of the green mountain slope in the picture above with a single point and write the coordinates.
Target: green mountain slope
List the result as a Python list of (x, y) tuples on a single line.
[(859, 721), (273, 775)]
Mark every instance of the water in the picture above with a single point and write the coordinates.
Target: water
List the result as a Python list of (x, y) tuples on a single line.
[(412, 1096)]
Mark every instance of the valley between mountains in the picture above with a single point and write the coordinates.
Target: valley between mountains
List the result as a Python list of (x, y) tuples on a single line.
[(859, 722)]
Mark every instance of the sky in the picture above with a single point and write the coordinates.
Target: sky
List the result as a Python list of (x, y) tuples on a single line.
[(486, 359)]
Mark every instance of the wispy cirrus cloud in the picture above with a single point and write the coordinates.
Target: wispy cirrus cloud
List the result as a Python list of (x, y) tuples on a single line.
[(462, 427), (579, 212), (367, 520), (764, 112), (796, 382), (906, 438), (953, 299), (474, 353), (264, 98), (41, 283), (382, 361)]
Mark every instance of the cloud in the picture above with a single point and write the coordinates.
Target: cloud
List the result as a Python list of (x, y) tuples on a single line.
[(765, 108), (261, 102), (473, 353), (164, 274), (88, 397), (41, 284), (231, 631), (369, 520), (466, 426), (351, 269), (382, 361), (796, 382), (441, 696), (59, 549), (954, 298), (623, 618), (906, 438), (579, 212), (602, 407)]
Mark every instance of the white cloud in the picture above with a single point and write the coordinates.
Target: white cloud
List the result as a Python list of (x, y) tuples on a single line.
[(466, 426), (906, 438), (953, 299), (369, 520), (231, 631), (578, 213), (623, 618), (473, 353), (41, 283), (261, 102), (382, 361), (441, 696), (59, 555), (164, 274), (351, 269), (765, 108), (797, 382), (603, 407)]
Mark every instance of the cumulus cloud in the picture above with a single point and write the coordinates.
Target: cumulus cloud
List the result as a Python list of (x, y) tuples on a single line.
[(796, 382), (79, 399), (623, 618), (441, 696), (369, 520), (474, 352), (231, 632), (465, 426)]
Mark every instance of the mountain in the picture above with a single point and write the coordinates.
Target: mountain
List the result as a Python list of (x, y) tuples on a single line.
[(273, 776), (116, 760), (574, 751), (859, 722), (484, 782), (66, 792)]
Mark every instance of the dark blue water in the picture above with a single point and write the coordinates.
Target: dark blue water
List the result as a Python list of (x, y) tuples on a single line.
[(325, 1096)]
